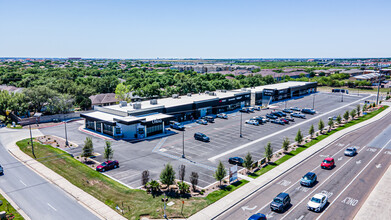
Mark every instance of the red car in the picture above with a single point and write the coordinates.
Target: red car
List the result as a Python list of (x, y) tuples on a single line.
[(328, 163), (108, 165), (284, 120)]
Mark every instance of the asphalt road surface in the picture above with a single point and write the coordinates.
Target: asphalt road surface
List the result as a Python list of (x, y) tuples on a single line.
[(38, 198), (348, 184)]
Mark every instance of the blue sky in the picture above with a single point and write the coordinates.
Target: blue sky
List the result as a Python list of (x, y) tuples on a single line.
[(195, 29)]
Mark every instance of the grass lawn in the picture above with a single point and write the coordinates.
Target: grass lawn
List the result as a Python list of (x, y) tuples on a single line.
[(9, 209), (312, 142), (16, 126), (135, 203)]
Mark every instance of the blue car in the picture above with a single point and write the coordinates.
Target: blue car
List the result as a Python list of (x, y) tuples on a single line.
[(298, 115), (271, 116), (277, 121), (308, 179), (308, 111), (257, 216)]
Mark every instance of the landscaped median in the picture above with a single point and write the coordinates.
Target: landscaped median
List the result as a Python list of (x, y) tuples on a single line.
[(11, 212), (132, 203), (301, 148)]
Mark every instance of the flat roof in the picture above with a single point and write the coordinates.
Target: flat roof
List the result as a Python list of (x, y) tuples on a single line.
[(284, 85), (102, 116)]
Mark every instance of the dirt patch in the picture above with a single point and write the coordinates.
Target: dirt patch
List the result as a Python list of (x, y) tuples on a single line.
[(56, 142)]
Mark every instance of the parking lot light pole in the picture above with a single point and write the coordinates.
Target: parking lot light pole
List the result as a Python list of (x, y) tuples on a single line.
[(66, 135), (342, 97), (313, 102), (32, 144), (241, 117), (183, 143)]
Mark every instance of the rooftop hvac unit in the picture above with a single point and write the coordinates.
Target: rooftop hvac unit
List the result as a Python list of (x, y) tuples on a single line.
[(122, 104), (137, 105), (153, 102), (189, 94), (244, 89), (212, 93), (224, 90), (206, 92), (175, 96)]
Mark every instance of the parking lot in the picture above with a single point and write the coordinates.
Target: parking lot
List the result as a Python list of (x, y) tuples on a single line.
[(225, 140)]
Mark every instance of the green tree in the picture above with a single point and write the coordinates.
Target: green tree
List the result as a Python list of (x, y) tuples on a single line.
[(321, 125), (346, 116), (154, 186), (248, 161), (299, 137), (311, 131), (330, 124), (121, 92), (183, 187), (339, 119), (88, 148), (220, 172), (108, 153), (268, 151), (353, 113), (365, 107), (167, 176), (285, 144), (358, 109), (39, 96)]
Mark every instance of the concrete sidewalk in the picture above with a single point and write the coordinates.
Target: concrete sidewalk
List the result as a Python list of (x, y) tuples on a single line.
[(250, 188), (97, 207)]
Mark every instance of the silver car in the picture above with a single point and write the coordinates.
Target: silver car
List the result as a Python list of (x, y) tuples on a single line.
[(222, 115), (350, 151)]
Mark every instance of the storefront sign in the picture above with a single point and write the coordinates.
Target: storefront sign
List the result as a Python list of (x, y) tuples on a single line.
[(268, 92), (247, 96), (233, 173), (239, 97), (233, 99), (156, 121)]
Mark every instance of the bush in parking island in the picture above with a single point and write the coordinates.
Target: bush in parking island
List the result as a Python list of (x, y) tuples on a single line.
[(299, 137), (321, 126), (220, 172), (346, 116), (167, 176), (248, 162), (311, 131), (285, 144)]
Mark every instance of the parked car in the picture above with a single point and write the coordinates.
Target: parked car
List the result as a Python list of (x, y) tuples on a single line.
[(222, 115), (350, 151), (278, 114), (308, 111), (295, 109), (280, 202), (289, 118), (107, 165), (258, 108), (284, 120), (309, 179), (244, 109), (201, 137), (271, 116), (1, 170), (209, 119), (287, 110), (258, 216), (250, 109), (317, 202), (298, 115), (334, 118), (236, 160), (252, 122), (202, 122), (327, 163), (176, 125), (260, 119), (277, 121)]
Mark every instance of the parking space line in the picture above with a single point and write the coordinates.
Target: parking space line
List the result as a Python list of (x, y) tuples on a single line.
[(280, 131)]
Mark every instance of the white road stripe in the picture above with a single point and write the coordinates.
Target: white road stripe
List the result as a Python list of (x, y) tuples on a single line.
[(23, 183), (52, 207), (279, 132), (353, 179)]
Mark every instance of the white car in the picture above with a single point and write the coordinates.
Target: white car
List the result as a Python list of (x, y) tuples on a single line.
[(252, 122), (317, 202), (222, 115)]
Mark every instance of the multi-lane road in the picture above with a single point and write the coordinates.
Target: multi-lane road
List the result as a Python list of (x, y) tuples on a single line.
[(348, 184), (38, 198)]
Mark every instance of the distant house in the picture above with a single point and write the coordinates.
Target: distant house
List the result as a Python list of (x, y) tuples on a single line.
[(11, 89), (103, 99), (374, 78)]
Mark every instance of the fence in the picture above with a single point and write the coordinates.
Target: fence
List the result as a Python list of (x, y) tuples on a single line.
[(46, 118)]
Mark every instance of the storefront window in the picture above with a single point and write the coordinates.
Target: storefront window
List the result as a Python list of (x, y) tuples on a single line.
[(107, 129), (154, 129), (90, 124)]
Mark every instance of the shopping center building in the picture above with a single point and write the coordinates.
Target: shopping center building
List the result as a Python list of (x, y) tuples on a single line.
[(139, 120)]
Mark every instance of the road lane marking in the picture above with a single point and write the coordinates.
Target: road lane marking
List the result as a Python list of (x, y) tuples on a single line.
[(23, 183), (378, 166), (353, 179), (358, 162), (52, 207), (350, 201), (244, 208), (329, 194), (293, 208), (284, 183), (279, 132)]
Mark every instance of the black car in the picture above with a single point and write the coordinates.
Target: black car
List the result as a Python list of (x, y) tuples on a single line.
[(298, 115), (281, 113), (287, 110), (236, 160), (209, 119), (308, 111), (1, 170), (276, 114), (201, 137), (271, 116), (289, 118), (277, 121), (280, 202), (245, 109), (295, 109)]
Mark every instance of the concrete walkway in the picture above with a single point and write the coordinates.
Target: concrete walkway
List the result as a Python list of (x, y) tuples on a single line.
[(247, 190), (97, 207)]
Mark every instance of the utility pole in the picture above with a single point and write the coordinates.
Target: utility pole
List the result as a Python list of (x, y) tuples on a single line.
[(183, 143), (66, 134), (241, 116), (32, 145)]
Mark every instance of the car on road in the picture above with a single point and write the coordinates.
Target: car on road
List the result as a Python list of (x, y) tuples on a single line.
[(308, 111), (309, 179), (244, 109), (201, 137), (1, 170), (327, 163), (209, 119), (236, 160), (177, 126), (222, 115), (277, 121), (107, 165), (202, 122), (252, 122), (271, 116), (350, 151), (317, 202), (281, 202), (258, 216), (298, 115), (295, 109), (284, 120), (287, 110)]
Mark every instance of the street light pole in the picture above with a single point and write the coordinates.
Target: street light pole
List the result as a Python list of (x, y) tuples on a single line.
[(66, 135), (32, 144), (241, 116), (313, 102), (378, 88), (342, 97), (183, 143)]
